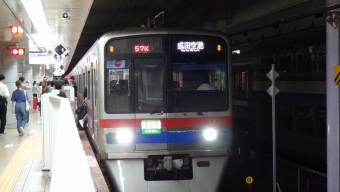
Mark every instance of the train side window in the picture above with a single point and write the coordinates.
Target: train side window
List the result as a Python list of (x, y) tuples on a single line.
[(321, 59), (283, 61), (83, 80), (240, 84), (308, 60), (89, 87), (299, 60), (321, 122), (117, 75), (267, 60), (303, 59), (304, 120), (285, 117)]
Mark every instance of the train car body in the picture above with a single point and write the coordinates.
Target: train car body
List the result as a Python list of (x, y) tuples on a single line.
[(159, 105), (300, 61)]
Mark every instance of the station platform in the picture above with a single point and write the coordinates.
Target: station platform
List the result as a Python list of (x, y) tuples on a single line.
[(21, 160)]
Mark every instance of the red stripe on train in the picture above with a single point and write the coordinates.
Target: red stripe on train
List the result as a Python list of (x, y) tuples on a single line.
[(169, 123)]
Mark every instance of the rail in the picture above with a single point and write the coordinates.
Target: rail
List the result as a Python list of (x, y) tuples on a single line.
[(63, 153)]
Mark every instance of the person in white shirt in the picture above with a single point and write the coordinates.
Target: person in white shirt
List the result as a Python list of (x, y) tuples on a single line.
[(4, 94)]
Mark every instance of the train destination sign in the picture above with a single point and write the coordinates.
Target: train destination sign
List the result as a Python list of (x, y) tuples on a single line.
[(141, 48), (192, 46), (151, 126)]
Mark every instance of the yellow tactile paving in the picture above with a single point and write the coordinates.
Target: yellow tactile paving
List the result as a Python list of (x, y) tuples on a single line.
[(30, 149)]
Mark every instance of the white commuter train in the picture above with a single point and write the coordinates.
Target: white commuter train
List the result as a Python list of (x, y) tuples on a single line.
[(160, 107)]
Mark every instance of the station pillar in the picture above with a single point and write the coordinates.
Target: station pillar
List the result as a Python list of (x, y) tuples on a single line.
[(332, 97)]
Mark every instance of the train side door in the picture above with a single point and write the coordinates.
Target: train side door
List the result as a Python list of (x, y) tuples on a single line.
[(150, 123)]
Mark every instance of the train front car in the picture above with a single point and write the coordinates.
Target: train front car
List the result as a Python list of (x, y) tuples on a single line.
[(166, 121)]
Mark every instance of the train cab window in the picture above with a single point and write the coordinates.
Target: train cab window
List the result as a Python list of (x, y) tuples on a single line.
[(285, 117), (117, 98), (321, 59), (304, 120), (149, 82), (199, 83)]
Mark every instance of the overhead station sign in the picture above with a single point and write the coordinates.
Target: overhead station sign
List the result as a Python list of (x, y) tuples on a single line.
[(44, 58)]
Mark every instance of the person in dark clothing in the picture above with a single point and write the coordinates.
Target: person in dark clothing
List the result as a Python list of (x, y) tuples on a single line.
[(59, 85), (82, 121), (4, 94)]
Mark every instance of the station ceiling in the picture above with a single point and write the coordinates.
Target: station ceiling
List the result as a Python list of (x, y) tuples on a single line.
[(89, 19), (112, 15)]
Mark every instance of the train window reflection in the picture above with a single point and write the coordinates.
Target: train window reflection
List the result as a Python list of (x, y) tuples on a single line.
[(117, 83), (149, 79)]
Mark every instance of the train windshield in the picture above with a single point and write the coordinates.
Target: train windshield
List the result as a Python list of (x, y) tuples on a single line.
[(149, 75), (198, 74)]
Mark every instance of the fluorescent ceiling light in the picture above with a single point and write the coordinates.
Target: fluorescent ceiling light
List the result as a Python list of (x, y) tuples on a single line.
[(37, 15)]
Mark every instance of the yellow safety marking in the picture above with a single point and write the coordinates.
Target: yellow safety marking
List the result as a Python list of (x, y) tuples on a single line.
[(30, 149), (336, 74)]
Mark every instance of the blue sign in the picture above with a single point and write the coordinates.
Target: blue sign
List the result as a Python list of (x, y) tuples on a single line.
[(58, 58)]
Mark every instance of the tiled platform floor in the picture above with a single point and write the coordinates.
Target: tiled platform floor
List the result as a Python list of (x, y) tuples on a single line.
[(21, 160)]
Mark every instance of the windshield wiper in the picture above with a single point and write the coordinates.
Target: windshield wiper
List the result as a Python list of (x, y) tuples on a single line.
[(154, 106)]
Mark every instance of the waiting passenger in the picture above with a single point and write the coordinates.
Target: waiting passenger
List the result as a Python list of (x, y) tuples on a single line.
[(25, 84), (50, 86), (59, 85), (35, 89)]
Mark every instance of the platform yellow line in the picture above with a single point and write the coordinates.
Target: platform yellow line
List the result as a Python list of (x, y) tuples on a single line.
[(30, 149)]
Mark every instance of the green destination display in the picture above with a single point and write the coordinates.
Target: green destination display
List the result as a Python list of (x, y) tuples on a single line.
[(151, 127)]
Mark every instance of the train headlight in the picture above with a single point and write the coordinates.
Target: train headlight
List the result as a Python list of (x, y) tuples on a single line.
[(124, 136), (210, 134)]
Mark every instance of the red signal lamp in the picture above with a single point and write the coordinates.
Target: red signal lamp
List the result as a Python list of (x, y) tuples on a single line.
[(15, 30), (17, 51)]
